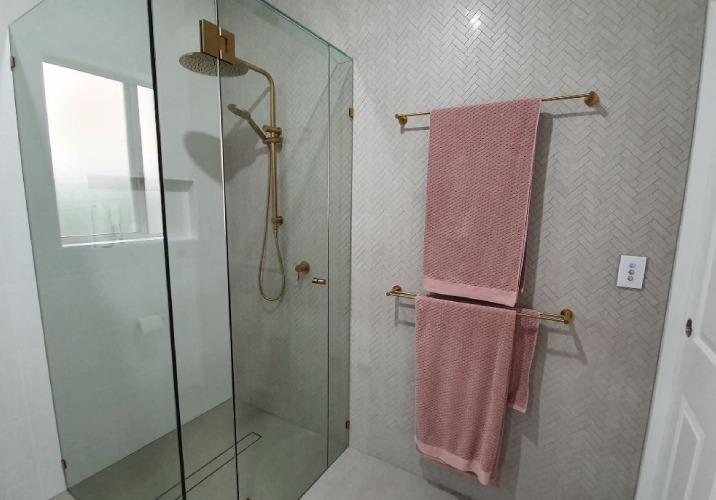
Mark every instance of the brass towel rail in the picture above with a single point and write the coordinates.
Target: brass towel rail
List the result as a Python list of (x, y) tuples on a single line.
[(565, 315), (591, 99)]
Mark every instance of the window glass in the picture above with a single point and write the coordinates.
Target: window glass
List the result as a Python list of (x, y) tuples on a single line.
[(103, 145)]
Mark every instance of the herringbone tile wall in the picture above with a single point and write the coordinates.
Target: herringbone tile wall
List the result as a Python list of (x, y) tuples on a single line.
[(608, 182)]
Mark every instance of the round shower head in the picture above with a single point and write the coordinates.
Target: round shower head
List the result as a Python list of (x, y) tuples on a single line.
[(204, 64), (240, 111)]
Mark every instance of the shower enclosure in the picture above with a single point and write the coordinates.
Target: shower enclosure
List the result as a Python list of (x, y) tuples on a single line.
[(187, 170)]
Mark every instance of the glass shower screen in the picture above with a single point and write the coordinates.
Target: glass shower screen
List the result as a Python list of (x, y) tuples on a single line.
[(190, 224), (88, 139)]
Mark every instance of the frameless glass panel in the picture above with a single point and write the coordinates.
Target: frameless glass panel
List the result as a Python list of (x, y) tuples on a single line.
[(190, 138), (340, 81), (280, 346), (86, 122)]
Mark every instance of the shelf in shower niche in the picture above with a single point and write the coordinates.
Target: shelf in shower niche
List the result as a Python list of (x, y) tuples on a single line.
[(180, 201), (177, 184)]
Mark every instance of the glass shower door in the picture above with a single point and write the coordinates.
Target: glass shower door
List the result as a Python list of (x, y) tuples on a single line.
[(193, 182), (85, 109), (280, 346)]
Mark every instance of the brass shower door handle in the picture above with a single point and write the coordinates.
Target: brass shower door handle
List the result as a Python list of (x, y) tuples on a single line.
[(318, 281)]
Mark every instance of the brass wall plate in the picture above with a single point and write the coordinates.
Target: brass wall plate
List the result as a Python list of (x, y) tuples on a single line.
[(217, 42)]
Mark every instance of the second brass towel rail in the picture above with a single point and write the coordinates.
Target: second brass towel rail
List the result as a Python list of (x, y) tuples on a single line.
[(565, 315), (591, 99)]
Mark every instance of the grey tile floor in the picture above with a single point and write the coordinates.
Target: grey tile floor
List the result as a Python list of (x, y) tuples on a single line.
[(354, 476), (278, 460), (357, 476)]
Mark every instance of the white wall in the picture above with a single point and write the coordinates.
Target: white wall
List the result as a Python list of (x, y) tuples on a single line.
[(30, 459), (607, 182)]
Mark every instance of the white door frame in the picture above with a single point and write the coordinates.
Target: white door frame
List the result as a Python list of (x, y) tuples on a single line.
[(694, 214)]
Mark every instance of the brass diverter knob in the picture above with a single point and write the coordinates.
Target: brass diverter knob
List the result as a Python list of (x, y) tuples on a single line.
[(302, 267)]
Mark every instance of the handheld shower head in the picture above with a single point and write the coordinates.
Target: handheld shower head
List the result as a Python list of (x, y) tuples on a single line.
[(246, 115), (240, 111), (204, 64)]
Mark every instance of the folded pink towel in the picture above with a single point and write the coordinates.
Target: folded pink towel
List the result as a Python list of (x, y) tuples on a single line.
[(463, 368), (480, 165), (523, 352)]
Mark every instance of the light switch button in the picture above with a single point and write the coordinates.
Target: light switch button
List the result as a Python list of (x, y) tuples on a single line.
[(631, 272)]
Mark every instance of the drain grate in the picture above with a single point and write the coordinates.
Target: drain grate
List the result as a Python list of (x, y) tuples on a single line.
[(205, 471)]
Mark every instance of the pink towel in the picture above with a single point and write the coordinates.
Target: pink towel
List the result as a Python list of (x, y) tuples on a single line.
[(479, 183), (463, 367), (523, 352)]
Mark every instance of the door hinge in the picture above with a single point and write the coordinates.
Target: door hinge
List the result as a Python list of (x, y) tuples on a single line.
[(13, 62), (348, 424), (64, 464), (351, 112), (217, 42)]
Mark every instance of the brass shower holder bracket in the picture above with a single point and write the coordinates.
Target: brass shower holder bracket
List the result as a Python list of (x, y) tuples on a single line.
[(272, 130), (217, 42), (274, 139), (568, 316)]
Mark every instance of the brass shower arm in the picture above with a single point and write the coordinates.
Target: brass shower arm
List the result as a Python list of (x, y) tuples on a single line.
[(271, 141), (272, 89), (205, 63)]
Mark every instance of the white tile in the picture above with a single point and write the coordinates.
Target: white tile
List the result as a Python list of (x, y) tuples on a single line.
[(358, 476), (17, 460), (26, 319), (7, 332), (28, 439), (30, 490), (12, 397), (37, 394), (52, 483), (46, 446)]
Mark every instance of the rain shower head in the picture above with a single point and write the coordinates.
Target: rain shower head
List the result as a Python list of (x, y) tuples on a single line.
[(246, 115), (204, 64)]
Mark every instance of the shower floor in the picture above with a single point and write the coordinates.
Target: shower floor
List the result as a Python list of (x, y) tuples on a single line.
[(278, 460)]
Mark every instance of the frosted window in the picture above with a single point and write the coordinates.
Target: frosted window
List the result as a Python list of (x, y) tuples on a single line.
[(150, 159), (104, 156)]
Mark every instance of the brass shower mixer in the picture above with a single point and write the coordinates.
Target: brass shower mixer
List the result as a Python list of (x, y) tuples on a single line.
[(302, 267)]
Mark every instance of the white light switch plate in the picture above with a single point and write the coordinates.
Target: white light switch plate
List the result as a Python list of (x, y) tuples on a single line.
[(631, 272)]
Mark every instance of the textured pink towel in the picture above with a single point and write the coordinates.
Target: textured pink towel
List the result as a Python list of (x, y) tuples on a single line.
[(523, 352), (463, 367), (480, 165)]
